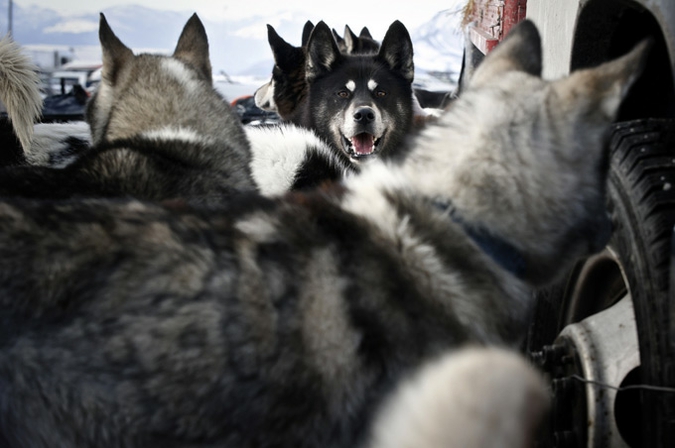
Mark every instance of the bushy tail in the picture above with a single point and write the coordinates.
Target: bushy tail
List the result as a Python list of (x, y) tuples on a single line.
[(19, 90), (475, 397)]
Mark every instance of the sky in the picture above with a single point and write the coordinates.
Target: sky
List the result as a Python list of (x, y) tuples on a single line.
[(377, 15)]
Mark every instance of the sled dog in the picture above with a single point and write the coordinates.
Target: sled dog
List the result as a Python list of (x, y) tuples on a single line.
[(286, 91), (159, 130), (288, 321), (302, 91), (360, 104)]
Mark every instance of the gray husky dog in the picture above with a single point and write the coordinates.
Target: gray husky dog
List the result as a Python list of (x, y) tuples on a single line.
[(159, 130), (289, 321)]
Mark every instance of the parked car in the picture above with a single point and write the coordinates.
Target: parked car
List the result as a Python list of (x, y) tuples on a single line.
[(85, 74), (251, 114)]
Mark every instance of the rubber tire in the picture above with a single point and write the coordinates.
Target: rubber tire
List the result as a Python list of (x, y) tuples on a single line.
[(641, 202)]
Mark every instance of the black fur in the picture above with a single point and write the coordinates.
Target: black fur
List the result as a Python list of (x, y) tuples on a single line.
[(328, 71)]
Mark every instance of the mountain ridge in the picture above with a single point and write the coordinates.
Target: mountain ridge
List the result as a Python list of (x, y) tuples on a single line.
[(237, 47)]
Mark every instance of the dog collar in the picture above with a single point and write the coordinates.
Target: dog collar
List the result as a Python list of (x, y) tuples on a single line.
[(500, 250)]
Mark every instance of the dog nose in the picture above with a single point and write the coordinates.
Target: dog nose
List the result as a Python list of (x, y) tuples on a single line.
[(364, 115)]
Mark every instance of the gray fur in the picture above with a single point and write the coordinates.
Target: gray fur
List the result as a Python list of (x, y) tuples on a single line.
[(287, 321), (475, 397), (138, 95)]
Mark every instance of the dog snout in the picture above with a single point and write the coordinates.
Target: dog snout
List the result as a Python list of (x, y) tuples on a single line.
[(364, 115)]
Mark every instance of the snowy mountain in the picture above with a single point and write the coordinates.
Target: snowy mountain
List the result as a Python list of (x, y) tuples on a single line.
[(237, 47), (439, 44)]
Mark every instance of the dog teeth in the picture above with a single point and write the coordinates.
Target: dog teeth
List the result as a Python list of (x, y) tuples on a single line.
[(363, 144)]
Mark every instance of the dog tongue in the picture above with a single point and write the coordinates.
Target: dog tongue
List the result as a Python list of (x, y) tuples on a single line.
[(363, 143)]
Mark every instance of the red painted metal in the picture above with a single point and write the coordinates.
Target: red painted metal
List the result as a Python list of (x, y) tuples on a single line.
[(514, 12), (482, 40), (490, 21)]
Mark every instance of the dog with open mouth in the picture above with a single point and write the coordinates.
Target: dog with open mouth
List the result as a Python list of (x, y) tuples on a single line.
[(361, 104), (358, 100)]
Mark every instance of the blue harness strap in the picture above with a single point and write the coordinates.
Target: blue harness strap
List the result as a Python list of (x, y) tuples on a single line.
[(500, 250)]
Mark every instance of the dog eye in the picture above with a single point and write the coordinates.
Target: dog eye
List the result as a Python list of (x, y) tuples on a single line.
[(380, 93), (343, 94)]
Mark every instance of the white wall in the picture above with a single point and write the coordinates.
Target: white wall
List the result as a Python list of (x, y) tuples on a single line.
[(555, 20)]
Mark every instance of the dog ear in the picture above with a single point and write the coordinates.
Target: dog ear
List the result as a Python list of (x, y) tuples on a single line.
[(115, 53), (350, 40), (342, 45), (322, 52), (193, 47), (286, 56), (365, 33), (397, 50), (519, 51), (601, 90), (306, 31)]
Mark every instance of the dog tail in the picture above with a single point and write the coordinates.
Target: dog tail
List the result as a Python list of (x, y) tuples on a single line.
[(474, 397), (19, 90)]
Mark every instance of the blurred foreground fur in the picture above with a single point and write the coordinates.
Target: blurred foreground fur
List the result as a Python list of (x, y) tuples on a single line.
[(289, 321), (474, 397)]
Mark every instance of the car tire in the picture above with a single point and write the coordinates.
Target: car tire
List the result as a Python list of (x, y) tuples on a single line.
[(641, 203)]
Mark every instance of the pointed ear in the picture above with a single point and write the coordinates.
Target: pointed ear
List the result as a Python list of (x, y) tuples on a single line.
[(603, 88), (342, 45), (519, 51), (115, 53), (193, 47), (322, 52), (350, 40), (306, 31), (397, 50), (285, 54), (365, 33)]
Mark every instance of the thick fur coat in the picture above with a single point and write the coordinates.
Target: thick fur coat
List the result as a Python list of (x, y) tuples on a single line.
[(288, 321)]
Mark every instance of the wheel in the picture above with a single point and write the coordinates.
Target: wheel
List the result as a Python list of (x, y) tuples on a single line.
[(574, 334)]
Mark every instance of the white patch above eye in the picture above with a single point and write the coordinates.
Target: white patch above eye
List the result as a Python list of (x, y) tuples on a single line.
[(351, 86), (372, 85)]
